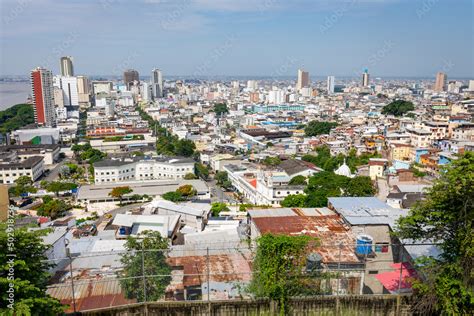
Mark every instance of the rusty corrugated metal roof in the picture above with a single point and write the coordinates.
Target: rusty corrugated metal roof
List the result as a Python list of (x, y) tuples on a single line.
[(90, 294), (223, 268), (329, 229)]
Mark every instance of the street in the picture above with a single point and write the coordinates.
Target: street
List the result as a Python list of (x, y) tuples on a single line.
[(218, 195)]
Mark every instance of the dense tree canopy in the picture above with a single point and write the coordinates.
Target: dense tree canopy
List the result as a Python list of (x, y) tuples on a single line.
[(167, 143), (87, 153), (16, 117), (156, 270), (220, 108), (324, 160), (298, 180), (327, 184), (398, 107), (446, 216), (315, 128), (53, 208), (30, 276)]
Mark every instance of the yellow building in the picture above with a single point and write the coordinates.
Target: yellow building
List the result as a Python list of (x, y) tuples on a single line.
[(400, 152)]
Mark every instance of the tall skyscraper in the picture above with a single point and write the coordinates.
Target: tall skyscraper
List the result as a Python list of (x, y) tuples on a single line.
[(331, 80), (303, 79), (365, 78), (156, 83), (440, 84), (67, 69), (129, 76), (83, 90), (43, 96)]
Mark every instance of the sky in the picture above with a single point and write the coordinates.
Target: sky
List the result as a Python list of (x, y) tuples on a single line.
[(403, 38)]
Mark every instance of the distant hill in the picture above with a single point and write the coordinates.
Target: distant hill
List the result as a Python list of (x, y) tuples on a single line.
[(16, 117)]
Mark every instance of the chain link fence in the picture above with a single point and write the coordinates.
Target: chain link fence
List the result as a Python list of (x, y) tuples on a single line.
[(216, 272)]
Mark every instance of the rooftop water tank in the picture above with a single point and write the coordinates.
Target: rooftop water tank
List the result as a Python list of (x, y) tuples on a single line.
[(313, 261), (364, 245)]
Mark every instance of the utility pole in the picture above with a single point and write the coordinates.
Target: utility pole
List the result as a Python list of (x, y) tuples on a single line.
[(208, 281), (68, 254)]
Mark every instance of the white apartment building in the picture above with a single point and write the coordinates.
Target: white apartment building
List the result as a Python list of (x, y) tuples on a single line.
[(262, 188), (464, 131), (116, 170), (439, 130), (68, 85), (12, 169), (419, 138)]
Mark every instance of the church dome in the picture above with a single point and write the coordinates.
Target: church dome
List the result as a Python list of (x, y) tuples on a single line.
[(344, 170)]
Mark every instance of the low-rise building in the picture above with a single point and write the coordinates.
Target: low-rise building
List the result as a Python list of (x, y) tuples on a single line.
[(50, 153), (11, 168), (118, 170), (262, 188)]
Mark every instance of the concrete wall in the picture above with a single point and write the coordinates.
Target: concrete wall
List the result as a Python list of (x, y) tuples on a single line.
[(321, 305)]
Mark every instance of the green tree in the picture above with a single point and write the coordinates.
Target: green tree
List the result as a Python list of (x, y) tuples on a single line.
[(189, 176), (53, 208), (24, 181), (398, 107), (157, 272), (221, 176), (184, 147), (16, 117), (298, 180), (294, 200), (278, 267), (272, 161), (315, 128), (30, 277), (173, 196), (201, 171), (446, 217), (220, 108), (186, 190), (23, 186), (218, 207), (119, 192), (56, 186), (359, 186)]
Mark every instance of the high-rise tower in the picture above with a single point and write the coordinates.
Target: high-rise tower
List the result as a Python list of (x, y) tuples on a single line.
[(331, 80), (43, 96), (440, 84), (129, 76), (303, 79), (156, 83), (365, 78), (67, 69)]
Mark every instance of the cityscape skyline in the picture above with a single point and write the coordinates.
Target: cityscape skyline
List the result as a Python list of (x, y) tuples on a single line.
[(338, 38)]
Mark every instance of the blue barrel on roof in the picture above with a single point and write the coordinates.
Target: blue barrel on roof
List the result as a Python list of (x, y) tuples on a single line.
[(364, 244)]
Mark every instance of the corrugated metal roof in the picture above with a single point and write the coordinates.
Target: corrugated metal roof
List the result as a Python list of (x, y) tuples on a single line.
[(90, 294), (329, 229)]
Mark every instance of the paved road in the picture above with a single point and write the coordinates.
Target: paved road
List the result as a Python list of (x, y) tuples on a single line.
[(218, 195), (383, 189), (54, 173)]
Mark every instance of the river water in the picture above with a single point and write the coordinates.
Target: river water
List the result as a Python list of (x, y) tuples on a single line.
[(12, 93)]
